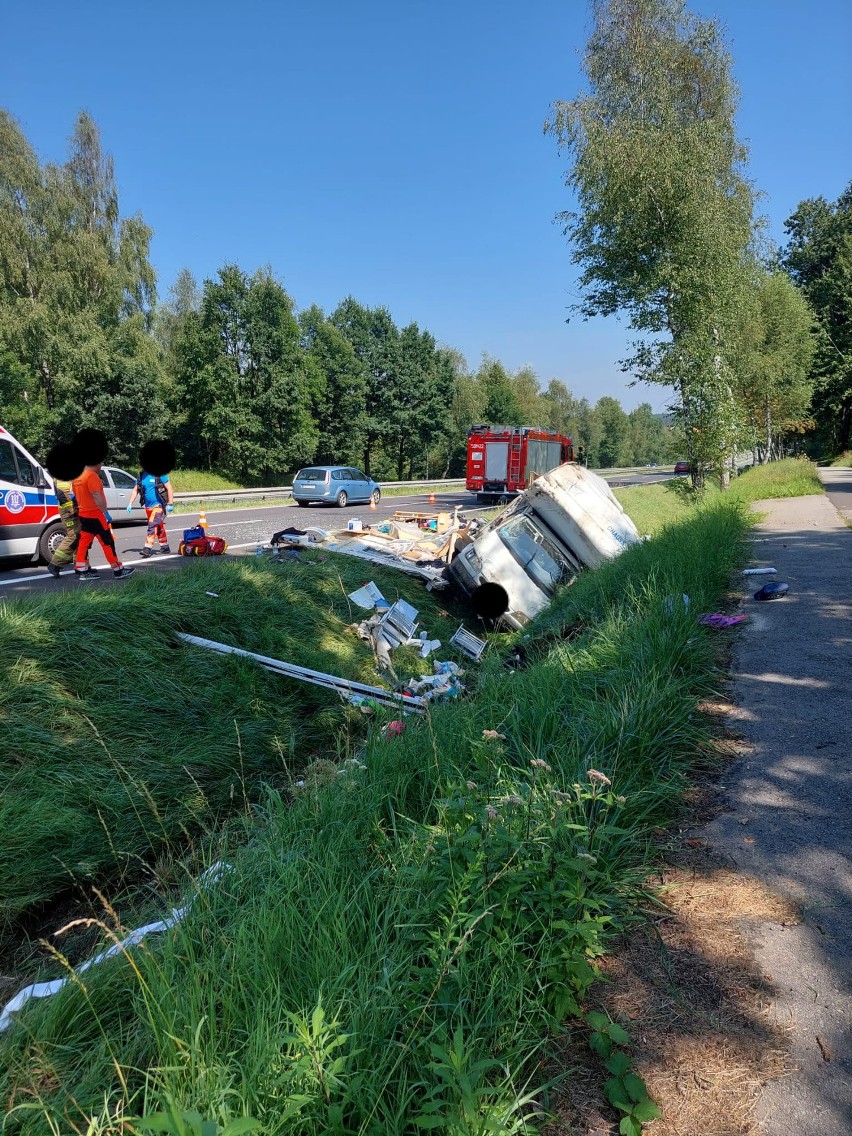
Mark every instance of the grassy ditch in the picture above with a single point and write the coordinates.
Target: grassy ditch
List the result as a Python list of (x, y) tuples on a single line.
[(117, 744), (393, 943)]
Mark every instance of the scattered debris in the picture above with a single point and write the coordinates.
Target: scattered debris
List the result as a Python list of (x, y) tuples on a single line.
[(215, 595), (773, 591), (46, 989), (346, 688), (399, 623), (424, 645), (719, 620), (393, 729), (368, 597), (468, 644), (444, 683), (759, 571), (670, 601), (301, 537), (823, 1048)]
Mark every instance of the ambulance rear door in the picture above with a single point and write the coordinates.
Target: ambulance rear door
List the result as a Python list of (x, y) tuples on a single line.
[(27, 500)]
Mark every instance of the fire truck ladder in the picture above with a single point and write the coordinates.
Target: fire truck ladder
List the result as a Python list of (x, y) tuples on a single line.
[(516, 451)]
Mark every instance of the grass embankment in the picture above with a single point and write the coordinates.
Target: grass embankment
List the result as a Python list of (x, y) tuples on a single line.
[(391, 952), (116, 741), (843, 461)]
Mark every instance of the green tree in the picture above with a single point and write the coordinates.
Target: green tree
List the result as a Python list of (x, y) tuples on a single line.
[(818, 257), (559, 409), (248, 390), (664, 214), (646, 440), (500, 405), (77, 293), (375, 339), (613, 447), (774, 373), (342, 413)]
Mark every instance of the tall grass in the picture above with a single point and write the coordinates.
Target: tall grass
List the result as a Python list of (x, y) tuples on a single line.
[(118, 744), (390, 952), (201, 481)]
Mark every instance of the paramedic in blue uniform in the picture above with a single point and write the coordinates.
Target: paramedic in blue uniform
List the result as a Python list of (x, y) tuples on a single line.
[(157, 496)]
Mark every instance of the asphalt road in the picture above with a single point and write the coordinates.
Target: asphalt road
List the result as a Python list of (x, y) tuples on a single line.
[(790, 796), (243, 527)]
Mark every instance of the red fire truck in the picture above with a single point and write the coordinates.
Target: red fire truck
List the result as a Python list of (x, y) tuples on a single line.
[(504, 460)]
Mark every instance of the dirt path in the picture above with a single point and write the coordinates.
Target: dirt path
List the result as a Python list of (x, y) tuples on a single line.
[(789, 817)]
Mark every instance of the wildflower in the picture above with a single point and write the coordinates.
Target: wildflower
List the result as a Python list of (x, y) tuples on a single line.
[(621, 800), (561, 797), (537, 763), (514, 799), (587, 857), (471, 786), (493, 736), (596, 775), (491, 812)]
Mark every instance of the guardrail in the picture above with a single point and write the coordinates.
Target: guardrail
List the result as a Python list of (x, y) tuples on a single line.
[(286, 490), (437, 483)]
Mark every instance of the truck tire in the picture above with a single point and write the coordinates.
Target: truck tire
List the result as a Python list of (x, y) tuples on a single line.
[(50, 540)]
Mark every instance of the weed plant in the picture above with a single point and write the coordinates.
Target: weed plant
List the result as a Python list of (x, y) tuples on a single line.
[(390, 951)]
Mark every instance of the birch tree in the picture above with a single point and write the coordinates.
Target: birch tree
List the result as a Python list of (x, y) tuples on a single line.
[(663, 218)]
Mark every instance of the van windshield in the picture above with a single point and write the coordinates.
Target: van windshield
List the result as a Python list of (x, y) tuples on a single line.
[(536, 555), (312, 475)]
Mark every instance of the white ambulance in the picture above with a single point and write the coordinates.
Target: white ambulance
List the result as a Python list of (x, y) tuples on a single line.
[(29, 512)]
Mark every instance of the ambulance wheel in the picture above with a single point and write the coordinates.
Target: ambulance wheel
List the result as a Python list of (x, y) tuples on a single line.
[(50, 540)]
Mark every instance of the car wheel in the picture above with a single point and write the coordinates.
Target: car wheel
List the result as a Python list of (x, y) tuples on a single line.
[(342, 499), (376, 496), (50, 540)]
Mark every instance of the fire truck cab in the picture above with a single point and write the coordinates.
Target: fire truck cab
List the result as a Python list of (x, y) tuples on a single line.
[(503, 461), (29, 512)]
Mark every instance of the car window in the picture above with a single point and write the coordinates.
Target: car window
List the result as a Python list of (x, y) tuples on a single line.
[(357, 475), (8, 469), (122, 480), (312, 475), (533, 552), (102, 474), (339, 475)]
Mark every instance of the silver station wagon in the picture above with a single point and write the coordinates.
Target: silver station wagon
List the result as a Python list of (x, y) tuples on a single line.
[(339, 485)]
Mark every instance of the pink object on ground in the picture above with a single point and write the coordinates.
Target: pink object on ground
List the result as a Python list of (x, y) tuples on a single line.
[(719, 620)]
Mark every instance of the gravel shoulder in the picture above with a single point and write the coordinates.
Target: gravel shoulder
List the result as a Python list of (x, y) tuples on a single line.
[(789, 797)]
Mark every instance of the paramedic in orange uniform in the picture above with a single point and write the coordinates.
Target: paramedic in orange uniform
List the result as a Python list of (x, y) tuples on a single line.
[(94, 525)]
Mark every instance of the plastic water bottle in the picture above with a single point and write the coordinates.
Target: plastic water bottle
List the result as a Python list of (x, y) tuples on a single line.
[(258, 551)]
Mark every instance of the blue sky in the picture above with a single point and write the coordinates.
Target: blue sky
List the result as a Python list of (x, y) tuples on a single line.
[(395, 151)]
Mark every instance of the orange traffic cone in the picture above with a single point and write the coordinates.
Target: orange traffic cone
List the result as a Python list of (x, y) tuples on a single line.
[(372, 502), (202, 519), (431, 498)]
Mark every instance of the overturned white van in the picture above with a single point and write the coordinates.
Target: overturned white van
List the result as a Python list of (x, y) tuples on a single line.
[(567, 520)]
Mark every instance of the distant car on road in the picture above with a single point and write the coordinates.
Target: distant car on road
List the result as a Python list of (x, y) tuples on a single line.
[(118, 485), (339, 485), (682, 467)]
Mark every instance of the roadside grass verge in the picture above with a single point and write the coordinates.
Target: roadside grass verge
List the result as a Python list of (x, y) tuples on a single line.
[(844, 460), (791, 477), (391, 951), (201, 481), (118, 744)]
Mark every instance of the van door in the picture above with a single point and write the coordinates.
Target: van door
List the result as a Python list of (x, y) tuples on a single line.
[(24, 505)]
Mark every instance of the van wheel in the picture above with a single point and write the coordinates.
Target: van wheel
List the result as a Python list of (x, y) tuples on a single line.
[(50, 540)]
